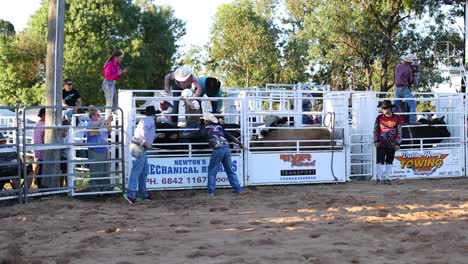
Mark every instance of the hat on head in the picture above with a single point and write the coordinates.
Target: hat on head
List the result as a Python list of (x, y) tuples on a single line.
[(408, 58), (386, 104), (2, 137), (210, 117), (41, 112), (150, 110), (187, 93), (182, 73)]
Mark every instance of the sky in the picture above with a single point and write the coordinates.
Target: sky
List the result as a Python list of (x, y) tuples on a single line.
[(197, 14)]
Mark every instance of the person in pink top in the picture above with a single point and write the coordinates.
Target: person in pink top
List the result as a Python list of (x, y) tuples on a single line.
[(184, 78), (38, 138), (112, 72)]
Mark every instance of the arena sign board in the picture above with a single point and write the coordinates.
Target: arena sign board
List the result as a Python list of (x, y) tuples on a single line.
[(186, 173), (427, 164), (296, 168)]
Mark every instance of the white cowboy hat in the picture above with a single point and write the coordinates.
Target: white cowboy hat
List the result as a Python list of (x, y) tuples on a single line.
[(186, 93), (182, 73), (408, 58), (210, 117)]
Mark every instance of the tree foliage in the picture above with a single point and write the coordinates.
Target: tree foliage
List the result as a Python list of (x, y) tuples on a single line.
[(22, 62), (6, 29), (243, 48), (93, 29), (359, 42)]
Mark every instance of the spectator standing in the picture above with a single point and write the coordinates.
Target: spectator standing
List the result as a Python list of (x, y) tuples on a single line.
[(99, 155), (218, 138), (70, 97), (112, 72), (387, 139), (403, 82), (64, 154), (38, 139), (184, 79), (142, 140)]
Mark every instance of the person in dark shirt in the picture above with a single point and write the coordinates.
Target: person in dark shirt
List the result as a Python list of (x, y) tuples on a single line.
[(387, 140), (217, 138), (70, 97)]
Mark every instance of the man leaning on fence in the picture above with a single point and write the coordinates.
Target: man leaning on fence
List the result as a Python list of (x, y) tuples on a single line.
[(218, 139), (99, 155), (145, 133)]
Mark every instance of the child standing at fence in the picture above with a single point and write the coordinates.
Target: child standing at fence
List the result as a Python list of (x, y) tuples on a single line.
[(112, 72), (387, 140)]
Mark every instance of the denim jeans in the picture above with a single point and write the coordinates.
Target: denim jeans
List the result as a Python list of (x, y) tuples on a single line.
[(99, 170), (221, 155), (404, 92), (137, 180), (111, 96), (189, 125), (175, 109)]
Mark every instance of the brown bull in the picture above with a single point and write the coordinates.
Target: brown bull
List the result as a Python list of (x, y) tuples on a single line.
[(292, 134)]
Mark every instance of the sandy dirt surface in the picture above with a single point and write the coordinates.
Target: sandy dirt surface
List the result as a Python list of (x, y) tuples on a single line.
[(418, 221)]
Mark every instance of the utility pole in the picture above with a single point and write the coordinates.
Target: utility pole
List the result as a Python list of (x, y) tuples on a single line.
[(54, 65)]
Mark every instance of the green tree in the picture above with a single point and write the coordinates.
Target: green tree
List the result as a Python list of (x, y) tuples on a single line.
[(243, 45), (22, 63), (360, 41), (93, 29), (6, 29)]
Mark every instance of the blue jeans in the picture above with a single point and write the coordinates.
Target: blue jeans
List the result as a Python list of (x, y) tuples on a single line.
[(110, 94), (175, 109), (137, 180), (189, 125), (404, 92), (222, 155)]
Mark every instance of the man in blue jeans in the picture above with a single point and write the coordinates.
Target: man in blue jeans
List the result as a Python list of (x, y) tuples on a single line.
[(142, 140), (403, 81), (218, 138)]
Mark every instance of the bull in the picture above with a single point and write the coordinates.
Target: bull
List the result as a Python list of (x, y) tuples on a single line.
[(432, 132), (169, 135), (286, 138)]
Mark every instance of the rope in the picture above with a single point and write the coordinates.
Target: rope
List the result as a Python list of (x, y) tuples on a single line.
[(332, 139)]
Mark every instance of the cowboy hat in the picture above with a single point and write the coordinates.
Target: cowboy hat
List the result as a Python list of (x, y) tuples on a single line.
[(150, 111), (186, 93), (408, 58), (182, 73), (386, 104), (210, 117)]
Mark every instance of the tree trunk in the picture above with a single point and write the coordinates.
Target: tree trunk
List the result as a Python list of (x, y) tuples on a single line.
[(54, 66)]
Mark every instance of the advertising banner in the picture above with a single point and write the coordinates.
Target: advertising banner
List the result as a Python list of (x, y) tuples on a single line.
[(296, 168), (185, 173), (427, 164)]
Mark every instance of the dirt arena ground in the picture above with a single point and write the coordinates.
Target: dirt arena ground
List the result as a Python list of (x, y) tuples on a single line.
[(423, 221)]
